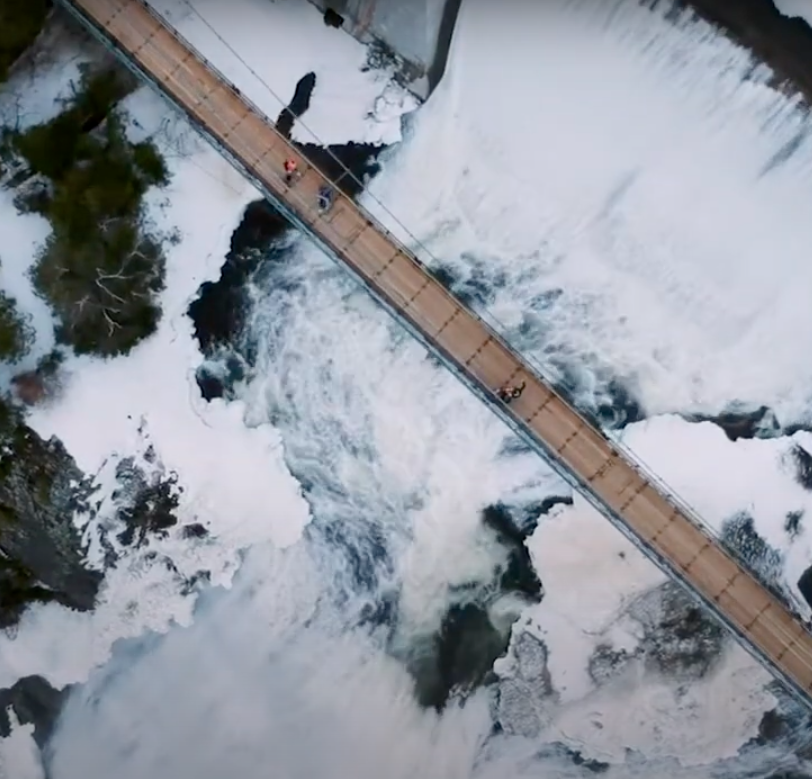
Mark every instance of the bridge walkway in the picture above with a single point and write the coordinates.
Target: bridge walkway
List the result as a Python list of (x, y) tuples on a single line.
[(633, 500)]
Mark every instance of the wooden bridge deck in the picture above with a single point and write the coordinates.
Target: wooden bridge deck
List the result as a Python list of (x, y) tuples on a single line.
[(654, 520)]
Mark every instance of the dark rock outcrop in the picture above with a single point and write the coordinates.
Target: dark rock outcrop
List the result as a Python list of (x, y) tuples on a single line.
[(466, 647), (459, 657), (805, 585), (802, 461), (298, 105), (518, 575), (220, 308), (333, 18), (742, 423), (680, 638), (195, 530), (34, 702), (145, 502), (785, 727), (793, 526), (557, 752), (42, 557)]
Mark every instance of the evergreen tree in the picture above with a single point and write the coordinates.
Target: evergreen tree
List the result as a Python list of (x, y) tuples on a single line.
[(104, 291), (16, 333), (101, 269), (20, 24)]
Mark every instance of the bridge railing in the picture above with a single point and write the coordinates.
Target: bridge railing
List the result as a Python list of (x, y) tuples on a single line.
[(494, 325)]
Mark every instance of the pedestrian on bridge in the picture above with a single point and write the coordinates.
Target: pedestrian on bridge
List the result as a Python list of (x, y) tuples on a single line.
[(507, 393), (325, 198), (291, 169)]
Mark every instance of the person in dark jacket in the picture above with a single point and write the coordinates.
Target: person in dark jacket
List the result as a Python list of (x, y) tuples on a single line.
[(325, 198), (507, 393)]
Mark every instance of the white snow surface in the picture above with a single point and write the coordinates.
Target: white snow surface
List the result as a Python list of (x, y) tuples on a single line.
[(265, 48), (656, 202), (20, 756)]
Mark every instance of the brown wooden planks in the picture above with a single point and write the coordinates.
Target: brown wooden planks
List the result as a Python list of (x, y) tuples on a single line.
[(400, 280), (432, 308), (371, 252), (493, 365), (587, 452)]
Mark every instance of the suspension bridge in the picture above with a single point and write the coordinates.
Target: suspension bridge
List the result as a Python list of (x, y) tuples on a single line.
[(621, 488)]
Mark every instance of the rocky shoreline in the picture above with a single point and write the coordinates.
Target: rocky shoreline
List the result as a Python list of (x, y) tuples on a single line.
[(42, 559)]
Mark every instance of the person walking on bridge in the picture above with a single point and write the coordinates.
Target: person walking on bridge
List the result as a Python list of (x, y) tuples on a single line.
[(507, 393), (291, 169), (325, 198)]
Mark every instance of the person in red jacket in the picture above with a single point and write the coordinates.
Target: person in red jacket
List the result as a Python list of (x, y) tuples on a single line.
[(290, 170)]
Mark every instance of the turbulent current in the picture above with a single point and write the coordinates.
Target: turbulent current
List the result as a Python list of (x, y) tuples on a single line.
[(622, 191)]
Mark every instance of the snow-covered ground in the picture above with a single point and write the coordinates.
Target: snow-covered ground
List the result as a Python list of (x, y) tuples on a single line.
[(266, 51), (19, 756), (648, 224)]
